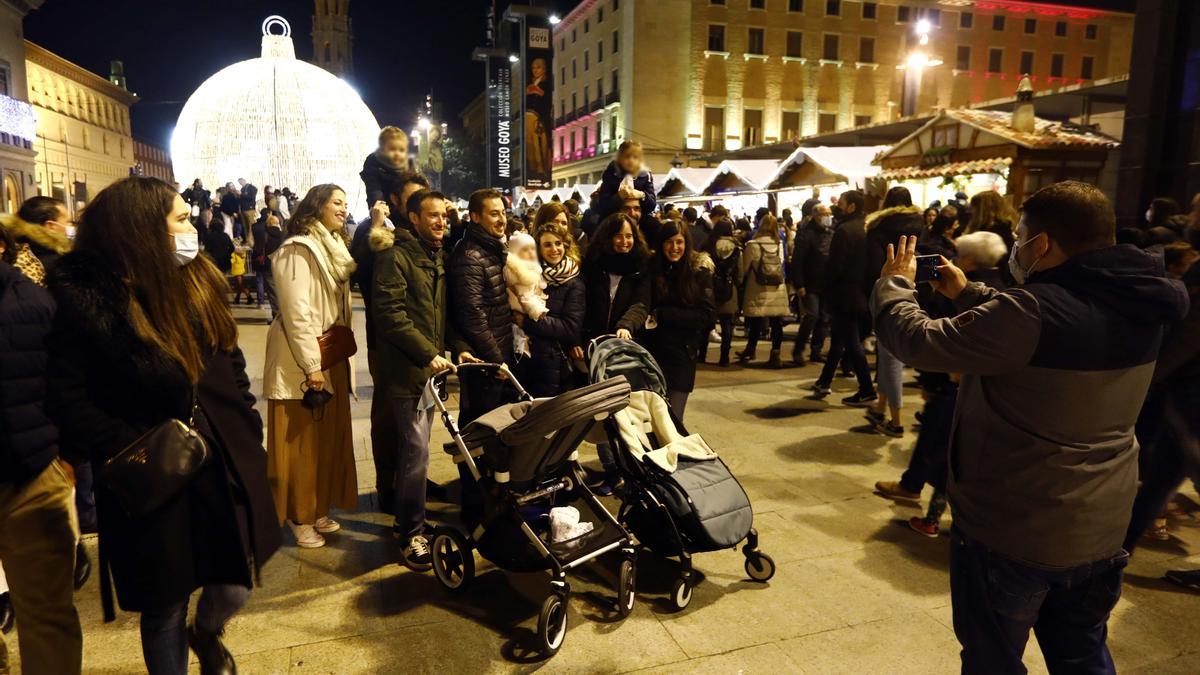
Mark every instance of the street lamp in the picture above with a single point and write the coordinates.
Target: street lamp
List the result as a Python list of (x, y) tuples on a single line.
[(914, 67), (513, 58), (554, 20)]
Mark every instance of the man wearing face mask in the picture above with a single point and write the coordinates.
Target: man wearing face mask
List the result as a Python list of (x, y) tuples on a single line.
[(810, 255), (44, 224), (1043, 463)]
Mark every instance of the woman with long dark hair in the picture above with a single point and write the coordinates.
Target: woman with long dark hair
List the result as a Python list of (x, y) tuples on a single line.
[(614, 276), (143, 335), (725, 251), (556, 337), (311, 449), (938, 239), (682, 309)]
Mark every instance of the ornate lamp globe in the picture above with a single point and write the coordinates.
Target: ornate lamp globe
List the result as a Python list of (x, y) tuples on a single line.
[(275, 121)]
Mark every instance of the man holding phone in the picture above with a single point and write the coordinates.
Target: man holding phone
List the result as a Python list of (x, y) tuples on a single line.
[(1043, 463)]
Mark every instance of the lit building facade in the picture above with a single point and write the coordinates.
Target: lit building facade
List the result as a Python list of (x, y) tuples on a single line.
[(151, 160), (18, 121), (333, 37), (83, 135), (698, 77)]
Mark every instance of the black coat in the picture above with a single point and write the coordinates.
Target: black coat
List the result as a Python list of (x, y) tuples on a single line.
[(219, 246), (553, 336), (28, 439), (682, 327), (248, 198), (626, 309), (106, 388), (886, 227), (479, 297), (266, 241), (230, 204), (810, 256), (847, 264)]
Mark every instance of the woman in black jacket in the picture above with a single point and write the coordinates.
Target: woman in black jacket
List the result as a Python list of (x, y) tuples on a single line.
[(142, 332), (614, 276), (682, 308), (555, 338)]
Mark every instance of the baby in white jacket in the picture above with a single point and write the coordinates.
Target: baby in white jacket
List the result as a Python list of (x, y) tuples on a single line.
[(526, 287)]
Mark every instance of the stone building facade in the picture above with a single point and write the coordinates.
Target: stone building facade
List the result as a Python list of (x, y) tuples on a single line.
[(151, 160), (333, 37), (18, 122), (697, 77)]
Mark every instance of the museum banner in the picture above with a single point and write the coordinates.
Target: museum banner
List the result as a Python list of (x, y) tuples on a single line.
[(500, 136), (537, 67)]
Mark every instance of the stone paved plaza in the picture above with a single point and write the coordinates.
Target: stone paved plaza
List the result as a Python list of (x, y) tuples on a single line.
[(856, 591)]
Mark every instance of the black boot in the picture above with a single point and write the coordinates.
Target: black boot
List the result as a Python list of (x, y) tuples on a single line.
[(83, 566), (7, 617), (724, 362), (214, 658)]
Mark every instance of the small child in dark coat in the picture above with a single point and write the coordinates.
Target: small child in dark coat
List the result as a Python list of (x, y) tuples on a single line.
[(626, 177), (388, 161)]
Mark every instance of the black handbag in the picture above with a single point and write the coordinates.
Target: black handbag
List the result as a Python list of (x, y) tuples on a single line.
[(157, 466)]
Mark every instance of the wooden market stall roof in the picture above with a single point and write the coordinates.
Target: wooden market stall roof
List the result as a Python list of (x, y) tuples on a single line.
[(686, 182), (827, 166), (740, 175)]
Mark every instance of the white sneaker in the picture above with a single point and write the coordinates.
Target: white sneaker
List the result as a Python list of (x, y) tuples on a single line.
[(416, 555), (326, 525), (306, 535)]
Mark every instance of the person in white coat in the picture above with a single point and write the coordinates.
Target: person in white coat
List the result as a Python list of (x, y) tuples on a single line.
[(310, 450)]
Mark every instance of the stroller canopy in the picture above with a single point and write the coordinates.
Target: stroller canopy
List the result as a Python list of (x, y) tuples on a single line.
[(615, 357)]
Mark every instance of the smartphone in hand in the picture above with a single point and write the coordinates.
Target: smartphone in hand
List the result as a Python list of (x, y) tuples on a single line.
[(927, 268)]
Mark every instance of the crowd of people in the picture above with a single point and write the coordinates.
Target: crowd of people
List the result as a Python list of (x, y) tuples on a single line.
[(119, 345)]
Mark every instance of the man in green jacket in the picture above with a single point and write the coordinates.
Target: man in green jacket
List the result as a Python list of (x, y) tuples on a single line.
[(412, 336)]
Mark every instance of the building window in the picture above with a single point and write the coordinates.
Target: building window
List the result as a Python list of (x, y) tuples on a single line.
[(866, 50), (791, 125), (1085, 67), (795, 5), (934, 16), (574, 35), (600, 15), (574, 68), (830, 51), (586, 60), (998, 22), (562, 75), (995, 58), (5, 77), (795, 43), (962, 59), (616, 42), (1089, 31), (600, 89), (1030, 26), (616, 88), (966, 20), (758, 4), (862, 120), (755, 42), (716, 37), (826, 122), (903, 14), (585, 25), (616, 5), (612, 127), (1026, 63), (574, 102), (716, 2), (562, 44), (833, 7), (586, 95), (714, 128), (1056, 65), (752, 127), (869, 10), (1060, 29), (599, 52), (572, 138)]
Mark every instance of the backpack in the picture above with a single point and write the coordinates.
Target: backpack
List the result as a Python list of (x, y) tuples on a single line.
[(723, 283), (769, 271)]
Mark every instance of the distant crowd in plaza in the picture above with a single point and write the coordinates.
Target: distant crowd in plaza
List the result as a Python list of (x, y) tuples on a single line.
[(1044, 342)]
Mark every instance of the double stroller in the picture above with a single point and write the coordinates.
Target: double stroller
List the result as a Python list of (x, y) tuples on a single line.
[(679, 498), (522, 460)]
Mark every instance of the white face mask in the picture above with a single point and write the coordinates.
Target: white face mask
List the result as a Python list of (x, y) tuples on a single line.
[(1020, 275), (187, 247), (825, 221), (1148, 215), (70, 231)]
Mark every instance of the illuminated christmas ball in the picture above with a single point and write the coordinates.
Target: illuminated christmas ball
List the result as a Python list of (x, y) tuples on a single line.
[(275, 121)]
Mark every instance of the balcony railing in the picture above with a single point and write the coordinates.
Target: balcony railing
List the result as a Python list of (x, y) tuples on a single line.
[(596, 105), (612, 97)]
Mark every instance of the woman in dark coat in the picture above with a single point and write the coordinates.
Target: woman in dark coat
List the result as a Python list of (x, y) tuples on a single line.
[(682, 308), (939, 238), (614, 277), (556, 338), (141, 325)]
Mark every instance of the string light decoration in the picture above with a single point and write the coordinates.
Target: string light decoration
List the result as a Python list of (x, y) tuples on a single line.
[(17, 118), (275, 121)]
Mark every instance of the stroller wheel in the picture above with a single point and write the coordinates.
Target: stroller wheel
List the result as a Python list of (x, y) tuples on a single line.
[(681, 595), (552, 624), (759, 566), (453, 559), (625, 591)]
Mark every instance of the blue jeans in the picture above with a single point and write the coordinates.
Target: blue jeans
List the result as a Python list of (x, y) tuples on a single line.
[(164, 632), (264, 284), (997, 601), (891, 376), (814, 325), (412, 464)]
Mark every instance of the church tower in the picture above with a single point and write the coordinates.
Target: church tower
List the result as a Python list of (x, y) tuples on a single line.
[(332, 37)]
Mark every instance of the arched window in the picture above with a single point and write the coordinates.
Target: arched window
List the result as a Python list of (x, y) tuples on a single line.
[(327, 52), (12, 194)]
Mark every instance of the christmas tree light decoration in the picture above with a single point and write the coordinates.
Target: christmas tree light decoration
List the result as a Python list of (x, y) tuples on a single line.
[(275, 121)]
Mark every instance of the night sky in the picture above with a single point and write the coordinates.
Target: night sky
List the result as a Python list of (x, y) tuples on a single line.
[(403, 49)]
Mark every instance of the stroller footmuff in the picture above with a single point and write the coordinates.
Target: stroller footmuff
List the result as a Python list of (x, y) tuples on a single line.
[(522, 458), (680, 498)]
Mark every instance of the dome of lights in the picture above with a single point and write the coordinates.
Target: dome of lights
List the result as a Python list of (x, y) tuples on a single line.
[(275, 121)]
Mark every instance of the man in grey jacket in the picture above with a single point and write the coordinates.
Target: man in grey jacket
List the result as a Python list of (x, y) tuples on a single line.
[(1043, 462)]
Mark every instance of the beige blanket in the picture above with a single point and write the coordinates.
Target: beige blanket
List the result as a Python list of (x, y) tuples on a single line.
[(648, 412)]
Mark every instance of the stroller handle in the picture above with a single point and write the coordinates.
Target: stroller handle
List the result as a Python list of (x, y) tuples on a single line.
[(486, 369), (596, 341)]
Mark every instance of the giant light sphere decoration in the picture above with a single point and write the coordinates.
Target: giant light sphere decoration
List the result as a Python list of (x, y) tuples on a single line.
[(275, 121)]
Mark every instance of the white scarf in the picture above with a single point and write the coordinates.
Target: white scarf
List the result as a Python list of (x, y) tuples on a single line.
[(341, 264)]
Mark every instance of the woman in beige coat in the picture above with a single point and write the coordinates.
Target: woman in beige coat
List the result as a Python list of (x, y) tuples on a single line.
[(763, 262), (310, 452)]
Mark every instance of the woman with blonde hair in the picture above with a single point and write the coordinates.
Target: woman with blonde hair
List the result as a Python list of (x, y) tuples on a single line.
[(309, 441)]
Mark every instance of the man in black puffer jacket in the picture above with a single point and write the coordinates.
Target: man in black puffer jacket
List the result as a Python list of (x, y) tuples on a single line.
[(37, 542), (478, 295)]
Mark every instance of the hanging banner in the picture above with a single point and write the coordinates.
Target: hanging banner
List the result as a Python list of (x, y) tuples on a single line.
[(537, 66), (499, 121)]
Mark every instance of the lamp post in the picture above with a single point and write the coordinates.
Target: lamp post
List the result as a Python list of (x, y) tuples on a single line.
[(914, 67), (428, 136)]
